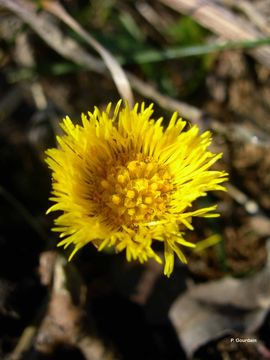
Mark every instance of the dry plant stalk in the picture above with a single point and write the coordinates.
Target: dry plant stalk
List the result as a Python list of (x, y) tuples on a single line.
[(118, 74), (71, 50), (52, 35), (222, 22), (253, 12)]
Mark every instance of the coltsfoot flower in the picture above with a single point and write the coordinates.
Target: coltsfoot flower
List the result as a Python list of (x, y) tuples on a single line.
[(125, 181)]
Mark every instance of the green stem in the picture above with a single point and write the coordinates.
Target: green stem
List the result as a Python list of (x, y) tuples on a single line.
[(149, 56)]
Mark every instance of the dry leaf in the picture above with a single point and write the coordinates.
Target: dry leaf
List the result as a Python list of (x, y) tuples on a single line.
[(208, 311), (66, 321)]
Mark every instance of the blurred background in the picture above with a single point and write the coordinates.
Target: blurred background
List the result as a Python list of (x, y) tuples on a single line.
[(209, 61)]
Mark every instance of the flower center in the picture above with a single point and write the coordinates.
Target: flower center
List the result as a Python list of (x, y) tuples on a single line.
[(136, 192)]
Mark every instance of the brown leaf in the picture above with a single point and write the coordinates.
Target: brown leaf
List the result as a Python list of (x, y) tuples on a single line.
[(197, 323), (209, 311), (66, 321)]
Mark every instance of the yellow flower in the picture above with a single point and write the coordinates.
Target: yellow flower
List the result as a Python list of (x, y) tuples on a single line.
[(124, 181)]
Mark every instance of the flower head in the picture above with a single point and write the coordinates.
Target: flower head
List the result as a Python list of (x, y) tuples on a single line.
[(125, 181)]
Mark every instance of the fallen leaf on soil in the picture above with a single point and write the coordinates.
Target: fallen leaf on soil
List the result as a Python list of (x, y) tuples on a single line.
[(208, 311), (66, 321)]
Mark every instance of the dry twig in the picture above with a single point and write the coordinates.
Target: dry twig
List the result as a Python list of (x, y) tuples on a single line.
[(24, 343)]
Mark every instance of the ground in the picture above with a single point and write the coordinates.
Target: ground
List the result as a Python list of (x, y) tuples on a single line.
[(99, 306)]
